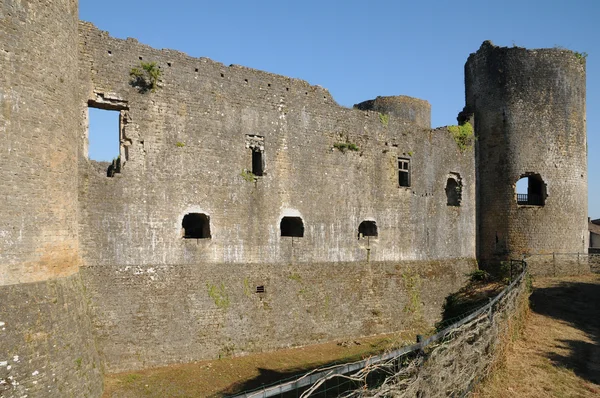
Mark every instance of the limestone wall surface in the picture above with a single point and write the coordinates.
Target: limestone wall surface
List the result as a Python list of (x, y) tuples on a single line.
[(155, 315), (38, 130), (185, 149), (47, 347), (186, 152)]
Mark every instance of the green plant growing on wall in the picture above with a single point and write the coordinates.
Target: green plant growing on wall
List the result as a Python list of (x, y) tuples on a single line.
[(180, 144), (581, 56), (247, 290), (219, 295), (384, 119), (248, 175), (145, 76), (463, 135), (295, 277), (412, 284), (346, 146)]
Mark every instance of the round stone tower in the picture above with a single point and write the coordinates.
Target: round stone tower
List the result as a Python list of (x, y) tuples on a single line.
[(529, 113), (415, 110), (38, 139), (47, 347)]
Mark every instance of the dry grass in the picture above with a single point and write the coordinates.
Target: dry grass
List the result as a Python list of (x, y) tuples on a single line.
[(227, 376), (557, 351)]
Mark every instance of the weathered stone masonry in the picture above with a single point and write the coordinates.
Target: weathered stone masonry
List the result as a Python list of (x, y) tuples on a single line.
[(101, 273)]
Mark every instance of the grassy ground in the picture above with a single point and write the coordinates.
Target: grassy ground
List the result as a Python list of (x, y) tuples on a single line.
[(223, 377), (558, 351)]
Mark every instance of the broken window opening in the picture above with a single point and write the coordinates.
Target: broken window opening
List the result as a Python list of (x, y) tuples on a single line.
[(106, 120), (103, 134), (404, 172), (257, 162), (531, 190), (367, 229), (196, 226), (292, 226), (453, 191)]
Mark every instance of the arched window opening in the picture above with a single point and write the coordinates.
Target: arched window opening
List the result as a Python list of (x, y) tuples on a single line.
[(292, 226), (196, 226), (453, 192), (531, 190), (367, 228)]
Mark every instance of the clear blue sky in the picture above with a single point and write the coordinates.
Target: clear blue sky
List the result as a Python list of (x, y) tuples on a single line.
[(359, 50)]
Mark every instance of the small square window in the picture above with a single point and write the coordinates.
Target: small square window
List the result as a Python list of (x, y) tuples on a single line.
[(404, 172)]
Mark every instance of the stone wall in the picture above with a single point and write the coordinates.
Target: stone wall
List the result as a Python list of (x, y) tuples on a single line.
[(186, 152), (185, 148), (38, 130), (529, 108), (47, 345), (154, 315)]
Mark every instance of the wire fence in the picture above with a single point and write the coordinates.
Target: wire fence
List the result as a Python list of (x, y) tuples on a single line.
[(562, 264), (448, 363)]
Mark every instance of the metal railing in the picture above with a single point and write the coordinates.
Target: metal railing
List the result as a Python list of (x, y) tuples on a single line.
[(294, 387), (530, 199)]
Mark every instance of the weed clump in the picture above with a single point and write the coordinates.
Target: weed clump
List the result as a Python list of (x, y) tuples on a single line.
[(463, 135), (145, 76)]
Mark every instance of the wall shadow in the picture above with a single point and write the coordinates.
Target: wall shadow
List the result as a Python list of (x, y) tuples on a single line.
[(578, 304)]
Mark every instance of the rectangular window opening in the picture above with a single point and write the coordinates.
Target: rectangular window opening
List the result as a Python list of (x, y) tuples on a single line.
[(260, 289), (404, 172), (103, 134), (256, 144), (257, 162)]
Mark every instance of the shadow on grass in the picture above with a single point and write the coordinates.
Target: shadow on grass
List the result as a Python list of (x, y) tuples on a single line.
[(578, 304), (270, 377)]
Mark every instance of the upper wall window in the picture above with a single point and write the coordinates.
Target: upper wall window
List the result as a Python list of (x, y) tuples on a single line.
[(256, 144), (292, 226), (454, 190), (196, 226), (404, 172), (531, 190), (367, 228), (103, 134), (257, 162)]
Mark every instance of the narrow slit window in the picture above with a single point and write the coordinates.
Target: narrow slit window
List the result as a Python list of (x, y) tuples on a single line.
[(404, 172), (292, 226), (256, 144), (196, 226), (367, 228), (453, 192), (257, 162)]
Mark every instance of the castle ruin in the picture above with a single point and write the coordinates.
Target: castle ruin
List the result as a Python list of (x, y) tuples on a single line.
[(248, 211)]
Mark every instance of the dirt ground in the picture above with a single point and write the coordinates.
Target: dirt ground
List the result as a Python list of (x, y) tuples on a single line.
[(227, 376), (557, 353)]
